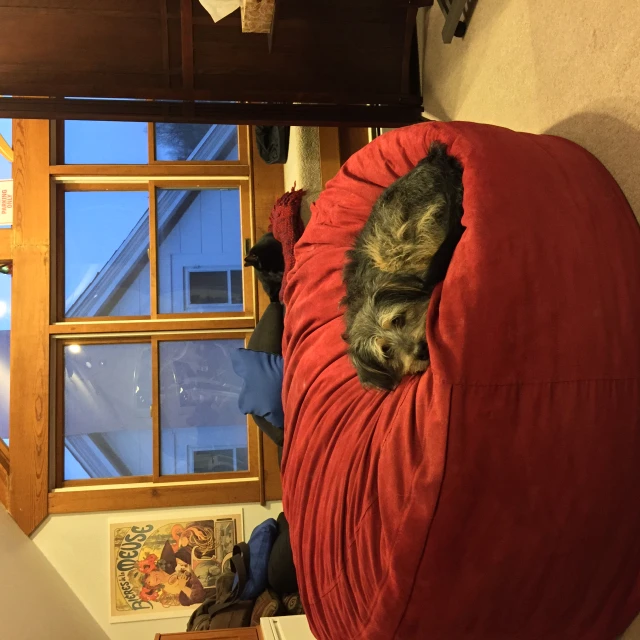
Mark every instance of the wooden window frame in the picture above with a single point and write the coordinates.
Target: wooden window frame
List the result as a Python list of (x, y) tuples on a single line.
[(162, 167), (30, 496), (192, 321), (153, 340), (5, 466)]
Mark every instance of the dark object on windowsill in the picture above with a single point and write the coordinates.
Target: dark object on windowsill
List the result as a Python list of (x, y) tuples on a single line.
[(267, 258), (273, 144)]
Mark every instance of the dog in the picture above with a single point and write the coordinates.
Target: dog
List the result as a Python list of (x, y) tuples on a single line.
[(402, 253)]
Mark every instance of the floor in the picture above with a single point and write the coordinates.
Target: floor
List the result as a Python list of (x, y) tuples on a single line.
[(566, 68)]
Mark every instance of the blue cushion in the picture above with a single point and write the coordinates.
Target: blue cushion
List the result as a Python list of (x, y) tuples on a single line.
[(261, 392), (260, 545)]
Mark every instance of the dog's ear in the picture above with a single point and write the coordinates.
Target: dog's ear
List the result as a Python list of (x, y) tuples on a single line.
[(400, 289), (371, 374), (377, 379)]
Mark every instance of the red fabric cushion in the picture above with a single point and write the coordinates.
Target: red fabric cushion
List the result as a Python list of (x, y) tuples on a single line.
[(287, 227), (496, 495)]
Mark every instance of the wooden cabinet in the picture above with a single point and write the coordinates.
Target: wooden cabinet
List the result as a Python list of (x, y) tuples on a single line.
[(250, 633), (326, 54)]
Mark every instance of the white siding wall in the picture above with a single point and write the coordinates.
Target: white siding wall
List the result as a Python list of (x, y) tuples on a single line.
[(208, 235)]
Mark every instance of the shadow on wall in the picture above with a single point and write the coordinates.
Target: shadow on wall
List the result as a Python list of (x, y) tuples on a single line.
[(36, 602), (614, 142)]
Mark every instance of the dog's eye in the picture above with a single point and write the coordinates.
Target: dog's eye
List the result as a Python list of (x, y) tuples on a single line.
[(386, 350), (398, 321)]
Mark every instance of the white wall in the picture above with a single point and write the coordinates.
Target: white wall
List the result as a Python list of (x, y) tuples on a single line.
[(36, 604), (78, 547)]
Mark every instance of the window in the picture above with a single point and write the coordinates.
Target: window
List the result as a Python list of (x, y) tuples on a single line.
[(199, 404), (215, 288), (219, 460), (6, 126), (106, 254), (125, 403), (184, 142), (151, 299), (200, 244), (110, 142), (108, 425), (6, 152), (107, 402), (209, 287), (90, 142)]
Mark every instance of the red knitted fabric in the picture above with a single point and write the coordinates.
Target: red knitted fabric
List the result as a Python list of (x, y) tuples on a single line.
[(287, 227)]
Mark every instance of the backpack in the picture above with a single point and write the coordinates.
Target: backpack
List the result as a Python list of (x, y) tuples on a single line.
[(273, 144), (226, 610)]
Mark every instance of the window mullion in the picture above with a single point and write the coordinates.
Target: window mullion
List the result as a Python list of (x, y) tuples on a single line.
[(153, 250), (155, 407)]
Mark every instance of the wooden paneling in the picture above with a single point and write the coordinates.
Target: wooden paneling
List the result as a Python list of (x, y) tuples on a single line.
[(345, 51), (186, 41), (352, 139), (29, 413), (268, 186), (69, 48), (325, 53), (272, 479), (154, 496), (329, 153), (6, 244), (4, 477)]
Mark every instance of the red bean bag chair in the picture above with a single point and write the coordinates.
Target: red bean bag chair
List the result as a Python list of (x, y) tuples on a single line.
[(497, 495)]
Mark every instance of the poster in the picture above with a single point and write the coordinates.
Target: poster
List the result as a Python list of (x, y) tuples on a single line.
[(6, 203), (166, 568)]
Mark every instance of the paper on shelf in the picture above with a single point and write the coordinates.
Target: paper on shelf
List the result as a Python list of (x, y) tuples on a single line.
[(219, 9)]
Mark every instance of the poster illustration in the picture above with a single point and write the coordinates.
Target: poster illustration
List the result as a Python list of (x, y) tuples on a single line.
[(166, 568)]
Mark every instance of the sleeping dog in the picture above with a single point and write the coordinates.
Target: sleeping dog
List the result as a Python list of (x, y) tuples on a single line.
[(402, 253)]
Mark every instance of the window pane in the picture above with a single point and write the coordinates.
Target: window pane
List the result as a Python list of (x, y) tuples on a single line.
[(199, 243), (107, 411), (196, 142), (202, 429), (6, 130), (5, 168), (236, 287), (106, 253), (5, 335), (208, 287), (99, 142)]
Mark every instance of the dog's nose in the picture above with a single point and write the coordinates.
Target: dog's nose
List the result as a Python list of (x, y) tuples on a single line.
[(423, 351)]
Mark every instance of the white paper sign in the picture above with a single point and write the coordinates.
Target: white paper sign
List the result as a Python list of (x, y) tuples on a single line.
[(219, 9), (6, 202)]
